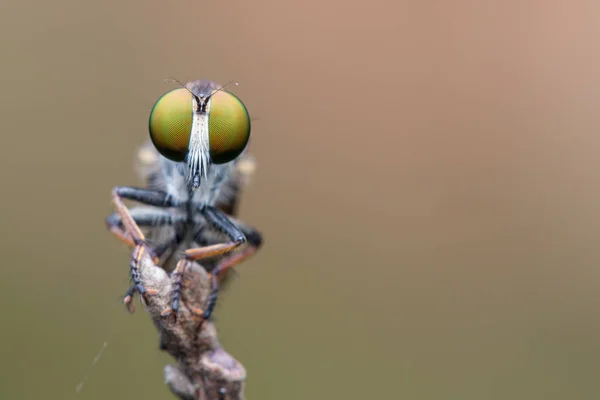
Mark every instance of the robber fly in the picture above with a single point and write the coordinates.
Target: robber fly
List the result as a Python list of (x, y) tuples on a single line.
[(194, 169)]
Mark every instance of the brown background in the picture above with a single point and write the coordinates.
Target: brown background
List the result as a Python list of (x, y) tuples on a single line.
[(428, 187)]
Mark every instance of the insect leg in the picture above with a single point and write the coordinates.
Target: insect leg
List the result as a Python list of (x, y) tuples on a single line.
[(254, 242), (143, 217), (222, 222), (159, 251), (132, 230), (145, 196)]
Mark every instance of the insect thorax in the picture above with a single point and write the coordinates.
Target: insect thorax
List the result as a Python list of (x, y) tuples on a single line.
[(165, 175)]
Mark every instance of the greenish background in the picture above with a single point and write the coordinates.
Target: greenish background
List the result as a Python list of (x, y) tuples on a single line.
[(428, 185)]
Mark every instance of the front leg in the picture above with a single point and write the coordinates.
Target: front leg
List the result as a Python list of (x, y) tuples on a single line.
[(147, 217), (220, 221), (254, 241), (133, 234), (143, 217), (145, 196)]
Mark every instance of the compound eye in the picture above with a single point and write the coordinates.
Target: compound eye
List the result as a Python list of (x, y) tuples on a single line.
[(171, 124), (228, 127)]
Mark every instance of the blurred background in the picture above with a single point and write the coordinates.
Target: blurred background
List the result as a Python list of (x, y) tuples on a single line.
[(427, 183)]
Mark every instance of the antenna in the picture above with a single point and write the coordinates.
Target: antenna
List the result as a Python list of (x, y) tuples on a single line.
[(168, 80), (223, 87)]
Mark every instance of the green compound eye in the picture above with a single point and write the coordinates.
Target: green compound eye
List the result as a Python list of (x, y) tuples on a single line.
[(228, 127), (171, 124)]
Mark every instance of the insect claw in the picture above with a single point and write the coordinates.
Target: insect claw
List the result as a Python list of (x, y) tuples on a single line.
[(128, 301)]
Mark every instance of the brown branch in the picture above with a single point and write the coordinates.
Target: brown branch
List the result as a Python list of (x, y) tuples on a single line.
[(205, 371)]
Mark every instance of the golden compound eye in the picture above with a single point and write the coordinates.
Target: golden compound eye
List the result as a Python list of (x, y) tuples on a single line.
[(228, 127), (171, 124)]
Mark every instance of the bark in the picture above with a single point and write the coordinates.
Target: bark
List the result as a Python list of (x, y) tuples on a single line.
[(204, 370)]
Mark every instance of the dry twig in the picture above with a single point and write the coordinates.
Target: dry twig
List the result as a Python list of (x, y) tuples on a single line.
[(205, 371)]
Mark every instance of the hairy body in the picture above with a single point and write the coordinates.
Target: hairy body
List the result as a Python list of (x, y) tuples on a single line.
[(194, 170)]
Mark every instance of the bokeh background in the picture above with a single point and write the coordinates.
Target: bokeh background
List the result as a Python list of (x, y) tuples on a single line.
[(428, 185)]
